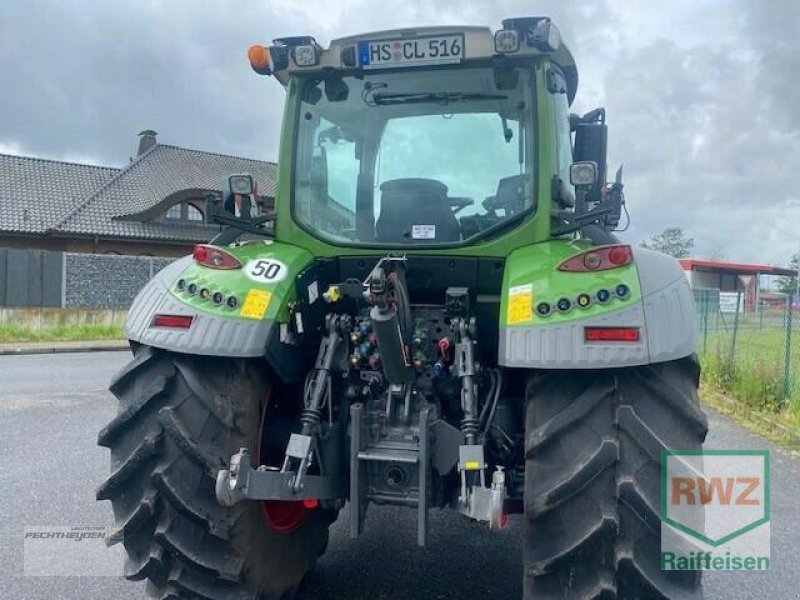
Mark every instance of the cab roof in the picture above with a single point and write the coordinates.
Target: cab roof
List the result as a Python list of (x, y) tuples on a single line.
[(478, 44)]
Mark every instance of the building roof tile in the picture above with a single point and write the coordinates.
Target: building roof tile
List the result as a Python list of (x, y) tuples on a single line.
[(44, 196), (35, 193)]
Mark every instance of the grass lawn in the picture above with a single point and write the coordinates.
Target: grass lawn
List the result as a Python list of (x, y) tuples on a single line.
[(68, 333), (756, 377)]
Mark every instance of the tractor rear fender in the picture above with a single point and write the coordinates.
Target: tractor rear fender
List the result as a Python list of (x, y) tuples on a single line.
[(238, 322), (656, 305)]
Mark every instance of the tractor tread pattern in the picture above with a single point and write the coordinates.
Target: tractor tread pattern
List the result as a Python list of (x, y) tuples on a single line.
[(218, 409), (154, 386), (593, 452), (581, 406), (605, 456), (180, 418), (173, 427), (142, 453)]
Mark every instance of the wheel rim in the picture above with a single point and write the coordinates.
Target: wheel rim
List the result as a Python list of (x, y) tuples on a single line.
[(282, 516)]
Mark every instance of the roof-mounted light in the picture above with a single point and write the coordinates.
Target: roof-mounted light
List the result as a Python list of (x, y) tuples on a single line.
[(260, 60), (280, 56), (506, 41), (265, 61), (536, 32), (545, 37), (304, 50), (306, 56)]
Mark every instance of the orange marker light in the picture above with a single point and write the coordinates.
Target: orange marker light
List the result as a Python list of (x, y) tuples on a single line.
[(258, 56)]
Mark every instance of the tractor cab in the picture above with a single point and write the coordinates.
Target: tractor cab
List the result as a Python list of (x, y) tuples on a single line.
[(436, 137)]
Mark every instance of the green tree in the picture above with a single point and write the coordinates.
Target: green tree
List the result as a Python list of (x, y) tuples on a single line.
[(671, 241), (788, 285)]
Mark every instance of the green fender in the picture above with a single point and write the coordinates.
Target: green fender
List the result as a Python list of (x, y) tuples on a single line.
[(656, 302), (234, 312)]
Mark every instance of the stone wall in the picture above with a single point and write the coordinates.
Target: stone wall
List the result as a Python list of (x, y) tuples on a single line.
[(106, 281), (31, 278)]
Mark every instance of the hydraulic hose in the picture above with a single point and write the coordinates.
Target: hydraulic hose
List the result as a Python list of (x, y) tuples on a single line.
[(494, 400)]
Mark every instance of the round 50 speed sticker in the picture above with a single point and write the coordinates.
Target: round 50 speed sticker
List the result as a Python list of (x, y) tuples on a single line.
[(266, 270)]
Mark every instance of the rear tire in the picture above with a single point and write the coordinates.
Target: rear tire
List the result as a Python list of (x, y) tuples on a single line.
[(593, 447), (180, 419)]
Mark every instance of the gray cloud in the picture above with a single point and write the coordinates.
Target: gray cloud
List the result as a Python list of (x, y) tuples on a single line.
[(702, 95), (772, 29), (696, 127)]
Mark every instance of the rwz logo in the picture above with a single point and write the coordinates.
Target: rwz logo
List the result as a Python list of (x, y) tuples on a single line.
[(724, 491), (715, 496)]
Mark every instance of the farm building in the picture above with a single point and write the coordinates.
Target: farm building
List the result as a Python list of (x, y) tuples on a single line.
[(729, 278)]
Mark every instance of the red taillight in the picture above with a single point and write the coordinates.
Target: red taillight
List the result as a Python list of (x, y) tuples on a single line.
[(215, 258), (620, 255), (600, 258), (173, 321), (200, 253), (311, 503), (611, 334)]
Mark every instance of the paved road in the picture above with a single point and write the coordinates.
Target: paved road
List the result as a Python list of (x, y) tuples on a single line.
[(52, 406)]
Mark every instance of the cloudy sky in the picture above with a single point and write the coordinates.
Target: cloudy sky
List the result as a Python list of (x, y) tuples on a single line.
[(703, 96)]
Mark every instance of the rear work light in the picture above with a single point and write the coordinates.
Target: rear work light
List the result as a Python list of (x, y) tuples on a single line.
[(611, 334), (173, 321), (215, 258), (601, 258), (506, 40)]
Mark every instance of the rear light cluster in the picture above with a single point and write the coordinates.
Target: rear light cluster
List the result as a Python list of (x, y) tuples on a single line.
[(216, 297), (215, 258), (601, 258), (583, 301)]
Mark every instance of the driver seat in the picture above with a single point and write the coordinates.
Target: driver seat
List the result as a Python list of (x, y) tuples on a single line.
[(408, 205)]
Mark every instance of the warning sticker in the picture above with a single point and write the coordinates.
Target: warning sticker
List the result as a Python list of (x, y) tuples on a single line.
[(520, 304), (255, 304), (423, 232)]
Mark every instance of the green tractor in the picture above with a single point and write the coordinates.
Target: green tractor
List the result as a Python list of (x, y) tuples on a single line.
[(436, 315)]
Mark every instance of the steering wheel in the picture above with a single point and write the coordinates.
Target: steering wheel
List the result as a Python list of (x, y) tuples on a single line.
[(459, 203)]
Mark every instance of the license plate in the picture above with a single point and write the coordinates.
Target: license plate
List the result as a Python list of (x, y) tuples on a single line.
[(433, 50)]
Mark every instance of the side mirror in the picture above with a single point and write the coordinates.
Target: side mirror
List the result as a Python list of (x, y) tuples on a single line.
[(591, 140)]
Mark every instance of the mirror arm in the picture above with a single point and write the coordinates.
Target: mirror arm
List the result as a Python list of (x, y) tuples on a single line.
[(598, 235), (574, 222), (234, 226)]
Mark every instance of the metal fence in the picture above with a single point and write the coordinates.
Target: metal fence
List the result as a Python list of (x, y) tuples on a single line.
[(751, 349)]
